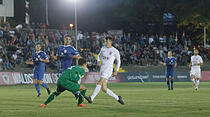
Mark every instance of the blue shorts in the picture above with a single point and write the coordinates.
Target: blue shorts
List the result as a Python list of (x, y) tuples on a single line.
[(38, 75), (169, 73)]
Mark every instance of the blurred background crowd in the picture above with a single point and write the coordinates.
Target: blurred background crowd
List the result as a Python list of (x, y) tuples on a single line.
[(17, 46)]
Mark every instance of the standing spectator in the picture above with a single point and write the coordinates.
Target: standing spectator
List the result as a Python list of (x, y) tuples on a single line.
[(63, 27), (2, 66), (151, 39), (80, 38)]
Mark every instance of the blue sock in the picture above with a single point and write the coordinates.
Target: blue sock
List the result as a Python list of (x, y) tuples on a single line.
[(168, 84), (75, 93), (172, 82), (37, 88), (44, 85)]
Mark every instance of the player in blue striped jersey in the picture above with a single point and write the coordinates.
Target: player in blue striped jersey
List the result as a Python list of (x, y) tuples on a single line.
[(66, 53), (39, 58), (170, 63)]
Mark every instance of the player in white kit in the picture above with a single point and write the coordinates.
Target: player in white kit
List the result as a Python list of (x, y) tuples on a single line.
[(195, 73), (108, 54)]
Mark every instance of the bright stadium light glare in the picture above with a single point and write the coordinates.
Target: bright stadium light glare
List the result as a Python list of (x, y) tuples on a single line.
[(75, 20), (72, 1), (71, 25), (69, 0)]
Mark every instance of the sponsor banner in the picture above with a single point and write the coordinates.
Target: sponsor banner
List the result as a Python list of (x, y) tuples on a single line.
[(178, 76), (20, 78), (157, 76), (135, 76), (7, 78), (94, 77), (182, 76), (205, 76), (55, 77)]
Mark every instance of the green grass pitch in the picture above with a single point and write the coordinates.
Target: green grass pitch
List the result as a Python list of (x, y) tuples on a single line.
[(141, 100)]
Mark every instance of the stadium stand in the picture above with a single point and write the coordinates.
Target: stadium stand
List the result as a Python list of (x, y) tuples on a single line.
[(17, 46)]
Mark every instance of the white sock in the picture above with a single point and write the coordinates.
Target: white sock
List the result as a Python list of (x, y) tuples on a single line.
[(109, 92), (193, 80), (96, 91), (197, 83)]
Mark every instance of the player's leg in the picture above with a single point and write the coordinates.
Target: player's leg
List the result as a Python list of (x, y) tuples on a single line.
[(76, 95), (197, 83), (105, 73), (58, 91), (82, 95), (45, 86), (172, 83), (98, 88), (172, 80), (192, 77), (36, 83), (75, 87), (197, 78), (168, 83), (40, 80), (110, 93), (167, 80), (37, 87)]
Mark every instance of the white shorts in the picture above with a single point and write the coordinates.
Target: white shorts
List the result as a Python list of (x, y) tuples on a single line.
[(196, 73), (106, 72)]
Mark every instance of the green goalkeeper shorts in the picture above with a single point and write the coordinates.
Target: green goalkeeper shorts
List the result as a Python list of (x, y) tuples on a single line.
[(67, 85)]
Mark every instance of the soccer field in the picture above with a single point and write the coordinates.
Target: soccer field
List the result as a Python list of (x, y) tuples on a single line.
[(141, 100)]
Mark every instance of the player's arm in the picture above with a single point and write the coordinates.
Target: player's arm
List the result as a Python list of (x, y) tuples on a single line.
[(201, 62), (118, 63), (75, 54), (190, 65), (198, 64), (175, 64), (99, 59), (162, 63), (45, 60), (29, 62)]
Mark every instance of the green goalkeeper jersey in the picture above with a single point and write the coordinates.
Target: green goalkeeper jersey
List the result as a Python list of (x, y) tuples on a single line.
[(73, 73)]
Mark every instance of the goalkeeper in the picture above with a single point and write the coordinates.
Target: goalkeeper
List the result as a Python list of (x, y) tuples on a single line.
[(69, 80)]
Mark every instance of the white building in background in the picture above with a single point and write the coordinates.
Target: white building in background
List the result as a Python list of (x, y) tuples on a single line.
[(6, 9)]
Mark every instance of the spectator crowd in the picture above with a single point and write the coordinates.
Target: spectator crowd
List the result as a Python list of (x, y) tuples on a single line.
[(17, 46)]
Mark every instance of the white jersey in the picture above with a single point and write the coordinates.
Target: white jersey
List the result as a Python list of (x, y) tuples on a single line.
[(195, 69), (108, 56), (196, 60)]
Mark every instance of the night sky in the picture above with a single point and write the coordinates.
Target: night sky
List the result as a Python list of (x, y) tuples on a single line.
[(92, 14)]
